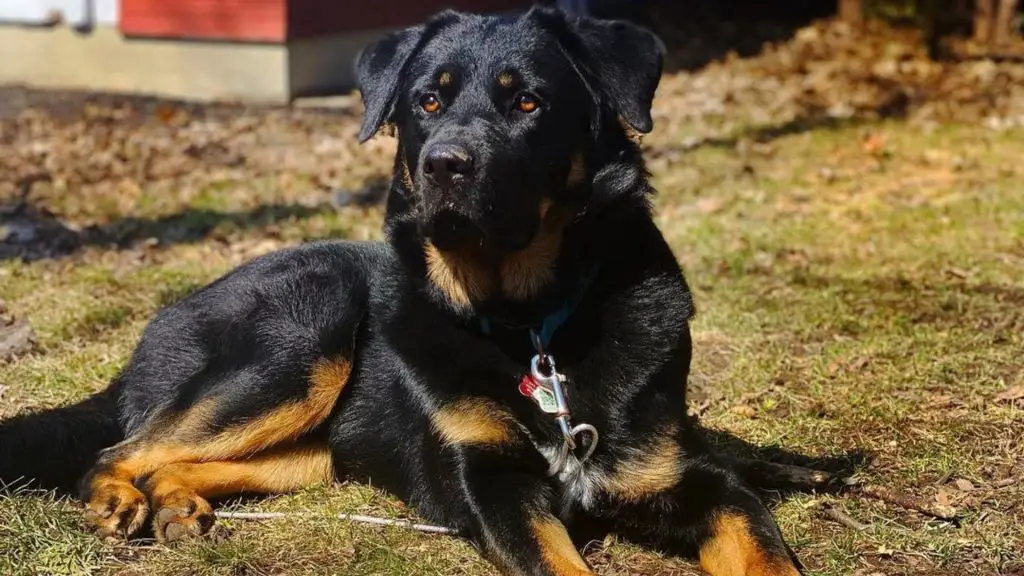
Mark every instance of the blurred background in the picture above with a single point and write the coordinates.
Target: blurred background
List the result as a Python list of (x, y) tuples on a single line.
[(842, 182)]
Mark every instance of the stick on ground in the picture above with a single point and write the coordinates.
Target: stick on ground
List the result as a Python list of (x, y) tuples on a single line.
[(939, 511), (350, 517), (843, 518)]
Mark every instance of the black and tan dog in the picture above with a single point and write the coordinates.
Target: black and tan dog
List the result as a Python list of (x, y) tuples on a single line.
[(519, 230)]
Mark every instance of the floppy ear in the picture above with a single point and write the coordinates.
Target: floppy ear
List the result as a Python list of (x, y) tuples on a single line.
[(621, 61), (379, 69)]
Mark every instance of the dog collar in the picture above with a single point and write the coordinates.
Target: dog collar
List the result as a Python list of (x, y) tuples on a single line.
[(543, 333)]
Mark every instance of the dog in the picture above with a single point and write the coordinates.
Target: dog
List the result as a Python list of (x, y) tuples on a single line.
[(511, 362)]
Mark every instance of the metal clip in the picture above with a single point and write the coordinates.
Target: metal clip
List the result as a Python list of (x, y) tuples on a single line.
[(554, 381)]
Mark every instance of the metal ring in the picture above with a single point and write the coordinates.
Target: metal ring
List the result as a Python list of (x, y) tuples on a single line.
[(581, 428), (535, 370)]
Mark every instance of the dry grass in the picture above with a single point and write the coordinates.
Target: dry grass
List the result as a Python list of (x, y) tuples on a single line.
[(860, 287)]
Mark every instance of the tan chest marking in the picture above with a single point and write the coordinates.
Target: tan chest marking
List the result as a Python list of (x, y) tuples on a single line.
[(462, 280), (520, 275)]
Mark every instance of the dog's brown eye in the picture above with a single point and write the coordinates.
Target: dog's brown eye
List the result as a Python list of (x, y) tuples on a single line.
[(430, 103), (526, 103)]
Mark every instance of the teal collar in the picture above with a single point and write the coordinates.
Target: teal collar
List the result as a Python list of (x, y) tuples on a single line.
[(541, 335)]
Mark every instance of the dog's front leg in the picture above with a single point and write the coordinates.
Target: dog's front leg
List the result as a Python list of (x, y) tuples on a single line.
[(673, 494), (503, 488)]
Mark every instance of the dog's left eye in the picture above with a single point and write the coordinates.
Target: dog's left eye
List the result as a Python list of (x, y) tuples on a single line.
[(526, 103), (430, 103)]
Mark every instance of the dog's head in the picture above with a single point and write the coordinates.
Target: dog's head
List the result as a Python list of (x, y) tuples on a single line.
[(497, 117)]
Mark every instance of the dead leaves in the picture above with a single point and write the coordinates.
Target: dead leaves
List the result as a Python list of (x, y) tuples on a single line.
[(851, 366), (825, 73), (1012, 395), (874, 143), (941, 506), (96, 157), (964, 484), (16, 335), (744, 411), (171, 115), (710, 205)]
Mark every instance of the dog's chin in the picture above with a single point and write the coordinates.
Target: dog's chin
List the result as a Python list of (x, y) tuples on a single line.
[(450, 231)]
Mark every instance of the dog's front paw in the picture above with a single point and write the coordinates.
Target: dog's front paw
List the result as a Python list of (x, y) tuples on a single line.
[(116, 509), (181, 514)]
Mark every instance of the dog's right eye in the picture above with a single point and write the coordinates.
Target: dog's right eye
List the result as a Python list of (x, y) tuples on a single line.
[(430, 103)]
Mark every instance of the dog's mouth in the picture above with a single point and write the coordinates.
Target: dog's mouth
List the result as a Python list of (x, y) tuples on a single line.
[(452, 231)]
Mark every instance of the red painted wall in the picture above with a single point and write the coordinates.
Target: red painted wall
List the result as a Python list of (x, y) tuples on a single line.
[(281, 20), (243, 20)]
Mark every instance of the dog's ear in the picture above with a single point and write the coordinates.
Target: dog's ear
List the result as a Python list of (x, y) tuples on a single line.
[(619, 60), (379, 69)]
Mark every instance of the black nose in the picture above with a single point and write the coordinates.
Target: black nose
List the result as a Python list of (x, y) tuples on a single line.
[(446, 162)]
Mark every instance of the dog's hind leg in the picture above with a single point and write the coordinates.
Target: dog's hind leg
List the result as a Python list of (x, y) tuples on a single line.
[(179, 492), (254, 361), (227, 426)]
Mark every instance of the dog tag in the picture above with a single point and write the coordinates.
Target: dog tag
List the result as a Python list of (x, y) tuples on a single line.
[(544, 398)]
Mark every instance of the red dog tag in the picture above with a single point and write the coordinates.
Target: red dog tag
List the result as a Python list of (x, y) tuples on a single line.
[(544, 398)]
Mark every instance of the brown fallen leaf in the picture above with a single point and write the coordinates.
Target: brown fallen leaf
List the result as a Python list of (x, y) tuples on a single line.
[(1011, 394), (16, 338), (710, 205), (937, 510), (942, 497), (1004, 483), (957, 273), (944, 401), (834, 367), (964, 484), (874, 143), (165, 113), (743, 410), (857, 364)]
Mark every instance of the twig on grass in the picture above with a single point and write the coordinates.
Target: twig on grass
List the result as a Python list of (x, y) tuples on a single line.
[(350, 517), (947, 513), (1004, 483), (843, 518)]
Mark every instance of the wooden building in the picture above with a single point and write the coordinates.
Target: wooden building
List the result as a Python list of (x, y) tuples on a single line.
[(252, 50)]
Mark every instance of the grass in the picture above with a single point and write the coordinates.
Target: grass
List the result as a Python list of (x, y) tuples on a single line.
[(860, 288)]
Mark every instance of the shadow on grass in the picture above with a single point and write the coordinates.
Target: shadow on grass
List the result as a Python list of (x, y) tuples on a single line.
[(32, 234), (839, 467), (811, 122)]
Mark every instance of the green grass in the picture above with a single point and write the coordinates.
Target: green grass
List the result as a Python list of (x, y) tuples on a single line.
[(849, 299)]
